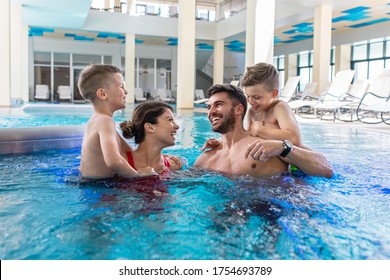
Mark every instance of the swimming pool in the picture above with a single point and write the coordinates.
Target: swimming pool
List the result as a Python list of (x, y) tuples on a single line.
[(46, 212)]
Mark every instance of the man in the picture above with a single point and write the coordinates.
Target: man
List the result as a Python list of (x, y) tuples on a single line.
[(242, 154)]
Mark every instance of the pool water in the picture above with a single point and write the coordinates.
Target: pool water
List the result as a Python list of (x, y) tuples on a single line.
[(19, 118), (47, 212)]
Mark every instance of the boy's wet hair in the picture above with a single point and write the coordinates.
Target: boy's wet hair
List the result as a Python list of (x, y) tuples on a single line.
[(261, 73), (93, 77)]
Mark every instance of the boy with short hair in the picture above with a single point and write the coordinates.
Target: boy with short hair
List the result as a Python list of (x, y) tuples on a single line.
[(102, 153), (267, 116)]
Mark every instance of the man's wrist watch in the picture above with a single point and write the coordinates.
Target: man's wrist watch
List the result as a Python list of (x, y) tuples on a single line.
[(288, 146)]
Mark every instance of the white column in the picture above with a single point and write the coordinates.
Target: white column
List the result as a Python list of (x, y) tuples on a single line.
[(129, 67), (290, 66), (117, 5), (107, 4), (219, 48), (322, 45), (342, 58), (19, 54), (186, 55), (260, 25), (25, 62), (131, 7), (174, 72), (5, 54)]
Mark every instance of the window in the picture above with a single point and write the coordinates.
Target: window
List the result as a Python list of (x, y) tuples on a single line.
[(369, 58), (279, 65), (305, 68)]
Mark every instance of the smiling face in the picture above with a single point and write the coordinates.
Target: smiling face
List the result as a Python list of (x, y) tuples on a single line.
[(221, 113), (259, 98), (115, 91), (166, 128)]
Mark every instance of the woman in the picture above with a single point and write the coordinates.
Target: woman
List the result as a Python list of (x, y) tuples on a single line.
[(153, 128)]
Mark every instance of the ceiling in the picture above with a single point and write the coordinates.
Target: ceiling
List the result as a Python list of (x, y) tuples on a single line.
[(293, 21)]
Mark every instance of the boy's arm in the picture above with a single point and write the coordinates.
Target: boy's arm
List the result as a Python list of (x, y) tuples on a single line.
[(111, 153), (288, 126)]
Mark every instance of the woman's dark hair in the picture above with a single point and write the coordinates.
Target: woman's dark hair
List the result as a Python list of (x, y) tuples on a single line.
[(146, 112)]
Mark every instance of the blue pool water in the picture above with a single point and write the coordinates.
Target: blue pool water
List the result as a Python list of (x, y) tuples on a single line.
[(46, 212), (57, 117)]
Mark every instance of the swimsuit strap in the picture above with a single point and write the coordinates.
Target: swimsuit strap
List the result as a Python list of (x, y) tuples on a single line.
[(273, 104), (131, 160), (166, 161)]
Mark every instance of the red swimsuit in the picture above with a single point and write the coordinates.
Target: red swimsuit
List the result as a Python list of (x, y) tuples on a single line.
[(131, 160)]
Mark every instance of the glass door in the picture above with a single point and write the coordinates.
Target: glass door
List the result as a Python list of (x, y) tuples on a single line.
[(77, 98)]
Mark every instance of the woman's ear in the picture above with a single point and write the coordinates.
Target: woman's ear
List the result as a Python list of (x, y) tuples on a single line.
[(149, 127), (275, 93)]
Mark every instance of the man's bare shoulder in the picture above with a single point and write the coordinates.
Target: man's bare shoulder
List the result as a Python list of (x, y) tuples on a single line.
[(206, 156)]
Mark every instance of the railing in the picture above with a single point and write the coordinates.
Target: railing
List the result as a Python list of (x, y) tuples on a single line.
[(204, 10)]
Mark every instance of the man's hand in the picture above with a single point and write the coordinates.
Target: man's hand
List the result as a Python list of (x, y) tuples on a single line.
[(210, 144), (262, 150)]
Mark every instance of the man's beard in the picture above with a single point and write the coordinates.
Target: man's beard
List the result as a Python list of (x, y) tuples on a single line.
[(227, 124)]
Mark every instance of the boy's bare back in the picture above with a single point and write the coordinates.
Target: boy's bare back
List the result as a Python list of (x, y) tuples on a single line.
[(100, 135)]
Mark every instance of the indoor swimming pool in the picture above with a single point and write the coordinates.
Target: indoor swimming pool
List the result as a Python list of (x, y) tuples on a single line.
[(47, 212)]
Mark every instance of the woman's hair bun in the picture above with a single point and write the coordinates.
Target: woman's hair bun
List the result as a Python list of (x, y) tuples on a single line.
[(127, 129)]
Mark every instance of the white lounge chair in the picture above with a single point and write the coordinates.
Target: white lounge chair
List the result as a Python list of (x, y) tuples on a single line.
[(286, 94), (64, 92), (337, 88), (235, 83), (163, 96), (375, 103), (347, 101), (199, 97), (139, 95), (42, 92), (308, 92)]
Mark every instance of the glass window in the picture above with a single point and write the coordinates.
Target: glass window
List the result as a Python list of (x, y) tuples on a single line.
[(375, 68), (85, 59), (387, 63), (42, 58), (304, 73), (107, 59), (281, 63), (163, 73), (376, 50), (146, 75), (387, 48), (303, 59), (62, 59), (361, 70), (42, 76), (360, 52), (61, 78), (281, 79)]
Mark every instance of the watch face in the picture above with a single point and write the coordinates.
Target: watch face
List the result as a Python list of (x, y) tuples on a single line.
[(288, 143)]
